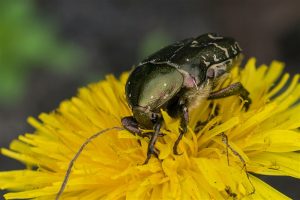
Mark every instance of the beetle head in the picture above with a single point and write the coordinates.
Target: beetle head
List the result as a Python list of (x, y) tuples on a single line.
[(145, 117)]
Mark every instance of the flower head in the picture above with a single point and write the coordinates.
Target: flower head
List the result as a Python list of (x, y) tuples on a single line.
[(220, 158)]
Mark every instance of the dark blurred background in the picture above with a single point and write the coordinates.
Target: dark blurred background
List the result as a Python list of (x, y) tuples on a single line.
[(50, 48)]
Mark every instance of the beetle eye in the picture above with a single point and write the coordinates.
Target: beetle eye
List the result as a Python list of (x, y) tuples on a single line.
[(210, 73)]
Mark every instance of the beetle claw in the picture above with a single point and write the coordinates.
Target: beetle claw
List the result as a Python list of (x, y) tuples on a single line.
[(175, 152), (151, 151), (147, 160), (175, 147)]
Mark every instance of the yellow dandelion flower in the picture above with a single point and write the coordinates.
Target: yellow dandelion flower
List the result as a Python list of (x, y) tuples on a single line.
[(263, 140)]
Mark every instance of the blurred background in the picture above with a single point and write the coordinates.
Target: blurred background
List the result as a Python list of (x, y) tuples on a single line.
[(50, 48)]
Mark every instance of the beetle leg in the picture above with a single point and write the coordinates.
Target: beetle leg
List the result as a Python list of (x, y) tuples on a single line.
[(233, 89), (183, 125), (151, 147), (131, 125), (225, 141)]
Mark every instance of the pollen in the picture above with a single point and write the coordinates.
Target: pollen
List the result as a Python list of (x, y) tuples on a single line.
[(263, 140)]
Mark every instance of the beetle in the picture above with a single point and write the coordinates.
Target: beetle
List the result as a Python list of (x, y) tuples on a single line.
[(176, 79)]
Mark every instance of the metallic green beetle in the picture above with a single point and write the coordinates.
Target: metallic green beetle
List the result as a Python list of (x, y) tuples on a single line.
[(176, 79)]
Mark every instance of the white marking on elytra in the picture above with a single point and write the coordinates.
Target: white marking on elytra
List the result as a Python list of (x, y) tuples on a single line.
[(167, 63), (222, 48), (234, 51), (238, 46), (214, 37), (174, 54), (206, 63), (215, 58), (194, 43)]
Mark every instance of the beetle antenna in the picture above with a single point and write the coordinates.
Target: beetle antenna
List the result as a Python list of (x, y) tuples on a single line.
[(225, 140), (87, 141)]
